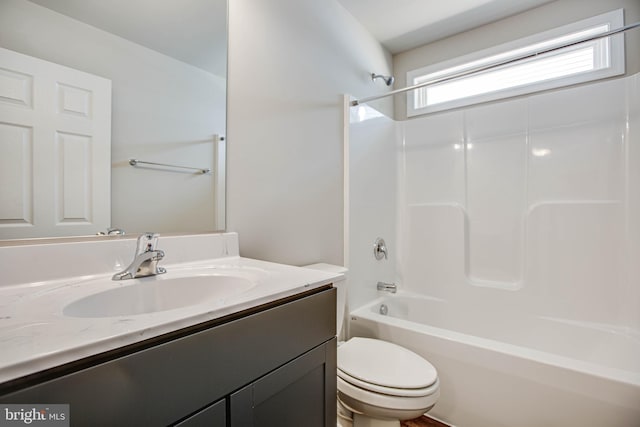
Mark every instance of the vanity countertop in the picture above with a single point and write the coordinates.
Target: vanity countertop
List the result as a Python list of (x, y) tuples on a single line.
[(36, 334)]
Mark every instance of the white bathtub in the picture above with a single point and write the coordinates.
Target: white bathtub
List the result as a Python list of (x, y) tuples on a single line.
[(505, 369)]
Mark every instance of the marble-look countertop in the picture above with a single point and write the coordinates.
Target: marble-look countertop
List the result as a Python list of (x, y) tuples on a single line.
[(35, 334)]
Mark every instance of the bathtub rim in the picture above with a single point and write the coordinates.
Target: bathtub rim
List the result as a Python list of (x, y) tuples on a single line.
[(625, 377)]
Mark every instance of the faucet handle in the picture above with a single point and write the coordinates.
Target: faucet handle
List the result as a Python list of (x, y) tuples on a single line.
[(115, 232), (380, 249), (147, 242)]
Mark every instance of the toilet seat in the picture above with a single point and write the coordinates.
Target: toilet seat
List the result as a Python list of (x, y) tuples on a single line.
[(390, 391), (355, 397), (384, 367)]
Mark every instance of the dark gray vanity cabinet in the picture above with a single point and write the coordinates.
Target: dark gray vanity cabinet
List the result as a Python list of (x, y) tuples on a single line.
[(291, 396), (271, 366), (214, 415)]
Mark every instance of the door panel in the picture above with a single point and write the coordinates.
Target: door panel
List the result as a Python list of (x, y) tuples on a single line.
[(55, 149)]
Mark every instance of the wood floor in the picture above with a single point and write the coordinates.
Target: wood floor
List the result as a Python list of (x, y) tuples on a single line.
[(423, 421)]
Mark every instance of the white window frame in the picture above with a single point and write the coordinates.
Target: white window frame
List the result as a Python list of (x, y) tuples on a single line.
[(609, 57)]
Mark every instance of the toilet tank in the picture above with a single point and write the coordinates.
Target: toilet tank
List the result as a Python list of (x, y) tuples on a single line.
[(341, 298)]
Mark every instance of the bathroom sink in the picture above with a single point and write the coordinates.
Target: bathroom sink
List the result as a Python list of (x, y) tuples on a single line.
[(156, 294)]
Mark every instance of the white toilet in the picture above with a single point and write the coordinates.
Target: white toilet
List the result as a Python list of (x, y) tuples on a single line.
[(379, 383)]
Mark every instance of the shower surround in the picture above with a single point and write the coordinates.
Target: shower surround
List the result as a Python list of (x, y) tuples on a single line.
[(525, 208)]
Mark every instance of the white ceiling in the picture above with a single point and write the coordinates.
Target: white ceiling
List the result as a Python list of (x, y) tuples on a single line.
[(401, 25), (192, 31)]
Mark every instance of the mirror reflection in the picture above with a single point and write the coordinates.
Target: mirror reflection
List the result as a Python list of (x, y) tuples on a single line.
[(88, 85)]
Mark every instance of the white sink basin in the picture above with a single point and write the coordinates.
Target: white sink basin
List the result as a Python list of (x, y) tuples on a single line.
[(157, 293)]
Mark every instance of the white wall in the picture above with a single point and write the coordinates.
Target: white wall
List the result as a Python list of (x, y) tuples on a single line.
[(289, 64), (545, 17), (163, 110)]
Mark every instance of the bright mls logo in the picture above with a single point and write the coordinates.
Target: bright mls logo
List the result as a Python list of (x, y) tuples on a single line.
[(35, 415)]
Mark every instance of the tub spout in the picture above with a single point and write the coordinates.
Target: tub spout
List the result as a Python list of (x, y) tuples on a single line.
[(387, 287)]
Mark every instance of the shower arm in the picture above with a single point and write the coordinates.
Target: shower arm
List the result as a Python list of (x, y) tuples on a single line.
[(357, 102), (388, 80)]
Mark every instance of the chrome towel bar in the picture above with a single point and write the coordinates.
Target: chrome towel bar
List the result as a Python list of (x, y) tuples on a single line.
[(135, 162)]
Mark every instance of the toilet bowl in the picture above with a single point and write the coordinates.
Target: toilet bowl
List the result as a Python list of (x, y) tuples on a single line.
[(383, 383), (379, 383)]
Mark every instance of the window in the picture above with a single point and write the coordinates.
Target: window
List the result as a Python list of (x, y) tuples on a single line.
[(579, 63)]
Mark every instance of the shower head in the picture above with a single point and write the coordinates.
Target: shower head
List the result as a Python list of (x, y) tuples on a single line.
[(388, 80)]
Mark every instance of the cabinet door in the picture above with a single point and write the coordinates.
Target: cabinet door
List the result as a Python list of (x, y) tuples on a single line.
[(214, 415), (300, 393)]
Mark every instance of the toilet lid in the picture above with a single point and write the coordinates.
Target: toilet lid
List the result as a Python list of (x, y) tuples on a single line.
[(385, 364)]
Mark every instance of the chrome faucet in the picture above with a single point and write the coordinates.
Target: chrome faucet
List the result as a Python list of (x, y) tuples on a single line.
[(112, 232), (380, 249), (146, 259), (387, 287)]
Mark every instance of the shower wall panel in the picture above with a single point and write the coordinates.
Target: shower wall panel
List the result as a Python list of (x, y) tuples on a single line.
[(496, 153), (530, 203), (632, 224), (372, 186)]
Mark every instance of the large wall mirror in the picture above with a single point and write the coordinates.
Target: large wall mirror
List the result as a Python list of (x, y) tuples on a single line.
[(158, 70)]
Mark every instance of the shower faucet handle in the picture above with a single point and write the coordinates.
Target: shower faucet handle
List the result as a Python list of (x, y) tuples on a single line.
[(380, 249)]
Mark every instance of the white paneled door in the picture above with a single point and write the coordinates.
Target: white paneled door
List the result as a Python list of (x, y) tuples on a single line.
[(55, 149)]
